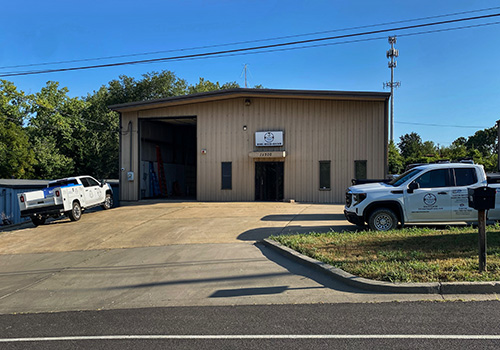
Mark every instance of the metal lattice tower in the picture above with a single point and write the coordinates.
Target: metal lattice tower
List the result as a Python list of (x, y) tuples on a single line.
[(392, 54)]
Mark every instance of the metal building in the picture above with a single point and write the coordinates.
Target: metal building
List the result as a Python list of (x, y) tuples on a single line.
[(9, 207), (252, 145)]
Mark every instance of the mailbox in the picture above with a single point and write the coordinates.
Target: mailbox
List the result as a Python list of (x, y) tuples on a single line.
[(482, 198)]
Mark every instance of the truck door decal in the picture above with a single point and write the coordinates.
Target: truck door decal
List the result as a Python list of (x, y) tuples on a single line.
[(430, 199)]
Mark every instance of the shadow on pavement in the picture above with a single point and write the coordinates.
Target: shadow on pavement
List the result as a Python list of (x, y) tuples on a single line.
[(304, 217), (258, 234), (299, 269)]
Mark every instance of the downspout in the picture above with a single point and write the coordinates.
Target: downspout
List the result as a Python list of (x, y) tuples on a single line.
[(131, 140)]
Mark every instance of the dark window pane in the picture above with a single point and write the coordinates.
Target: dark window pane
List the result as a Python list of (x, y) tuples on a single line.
[(324, 175), (92, 182), (360, 171), (433, 178), (226, 175), (84, 181), (465, 176)]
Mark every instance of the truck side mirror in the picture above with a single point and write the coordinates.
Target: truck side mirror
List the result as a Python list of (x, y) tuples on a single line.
[(413, 186)]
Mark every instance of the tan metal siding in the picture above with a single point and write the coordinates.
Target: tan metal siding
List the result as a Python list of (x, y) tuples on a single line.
[(129, 190), (314, 130)]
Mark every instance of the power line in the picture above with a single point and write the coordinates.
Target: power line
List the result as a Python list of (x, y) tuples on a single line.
[(338, 42), (247, 49), (252, 41), (446, 125)]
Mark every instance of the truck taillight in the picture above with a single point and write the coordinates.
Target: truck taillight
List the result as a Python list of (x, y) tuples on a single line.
[(58, 194), (22, 199)]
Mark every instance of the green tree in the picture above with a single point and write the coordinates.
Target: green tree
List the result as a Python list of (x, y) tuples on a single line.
[(55, 129), (484, 141), (16, 154), (411, 146), (396, 163), (206, 86), (429, 149), (152, 86), (101, 136)]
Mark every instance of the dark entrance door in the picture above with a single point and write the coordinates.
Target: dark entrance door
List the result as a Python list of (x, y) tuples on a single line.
[(269, 181)]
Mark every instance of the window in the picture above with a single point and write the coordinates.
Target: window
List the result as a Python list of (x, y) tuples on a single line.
[(465, 176), (92, 182), (360, 172), (84, 181), (324, 175), (434, 178), (227, 175)]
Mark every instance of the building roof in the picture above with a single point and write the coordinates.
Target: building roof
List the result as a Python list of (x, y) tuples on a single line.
[(23, 183), (241, 92)]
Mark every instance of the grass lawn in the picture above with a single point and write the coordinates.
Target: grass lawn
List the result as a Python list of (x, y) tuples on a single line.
[(407, 255)]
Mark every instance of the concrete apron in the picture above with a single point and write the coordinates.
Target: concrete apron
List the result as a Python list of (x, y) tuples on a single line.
[(171, 254)]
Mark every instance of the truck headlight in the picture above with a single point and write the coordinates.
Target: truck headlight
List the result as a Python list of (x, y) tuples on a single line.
[(359, 197)]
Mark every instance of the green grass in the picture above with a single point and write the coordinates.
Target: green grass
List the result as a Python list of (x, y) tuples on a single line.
[(407, 255)]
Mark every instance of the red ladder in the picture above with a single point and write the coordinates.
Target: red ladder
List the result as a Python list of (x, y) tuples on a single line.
[(161, 173)]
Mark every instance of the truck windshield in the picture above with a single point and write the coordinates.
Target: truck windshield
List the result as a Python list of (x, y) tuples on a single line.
[(62, 183), (403, 178)]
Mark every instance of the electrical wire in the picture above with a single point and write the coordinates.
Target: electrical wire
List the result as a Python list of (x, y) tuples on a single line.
[(335, 43), (445, 125), (247, 49), (251, 41)]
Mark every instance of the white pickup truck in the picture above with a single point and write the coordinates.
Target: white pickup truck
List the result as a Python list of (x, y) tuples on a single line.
[(69, 196), (432, 193)]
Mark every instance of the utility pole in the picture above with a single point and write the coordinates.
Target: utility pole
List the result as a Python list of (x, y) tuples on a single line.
[(392, 53), (498, 146)]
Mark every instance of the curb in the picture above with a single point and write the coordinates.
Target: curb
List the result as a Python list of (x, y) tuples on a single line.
[(379, 286)]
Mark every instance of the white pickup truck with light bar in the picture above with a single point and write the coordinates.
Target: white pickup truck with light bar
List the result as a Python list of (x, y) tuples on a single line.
[(69, 196), (432, 193)]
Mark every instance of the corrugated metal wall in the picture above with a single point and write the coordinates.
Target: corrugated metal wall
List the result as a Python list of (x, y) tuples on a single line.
[(9, 207), (314, 130)]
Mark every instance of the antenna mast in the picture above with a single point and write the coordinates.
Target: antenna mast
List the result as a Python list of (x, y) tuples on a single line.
[(245, 68), (392, 53)]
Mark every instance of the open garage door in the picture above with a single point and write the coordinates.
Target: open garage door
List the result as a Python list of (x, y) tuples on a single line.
[(173, 142)]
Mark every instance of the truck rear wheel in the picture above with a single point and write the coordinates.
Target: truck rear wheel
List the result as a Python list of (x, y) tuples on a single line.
[(383, 220), (38, 220), (76, 212)]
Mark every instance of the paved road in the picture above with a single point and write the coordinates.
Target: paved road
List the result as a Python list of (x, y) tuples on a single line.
[(429, 325)]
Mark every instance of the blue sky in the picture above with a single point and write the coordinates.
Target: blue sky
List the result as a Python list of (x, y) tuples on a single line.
[(447, 78)]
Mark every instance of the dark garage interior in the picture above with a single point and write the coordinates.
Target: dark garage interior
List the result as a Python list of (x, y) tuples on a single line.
[(173, 142)]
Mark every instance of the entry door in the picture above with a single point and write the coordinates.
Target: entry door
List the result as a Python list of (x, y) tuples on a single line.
[(269, 181)]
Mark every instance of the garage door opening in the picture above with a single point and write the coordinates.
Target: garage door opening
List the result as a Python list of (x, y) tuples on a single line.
[(168, 158)]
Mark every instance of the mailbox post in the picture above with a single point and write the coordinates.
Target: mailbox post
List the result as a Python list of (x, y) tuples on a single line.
[(482, 199)]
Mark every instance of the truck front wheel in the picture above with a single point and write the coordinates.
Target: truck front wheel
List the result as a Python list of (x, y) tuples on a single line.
[(76, 212), (383, 220), (108, 202), (38, 220)]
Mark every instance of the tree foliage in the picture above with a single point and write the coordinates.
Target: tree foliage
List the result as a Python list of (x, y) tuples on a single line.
[(480, 147), (16, 153)]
